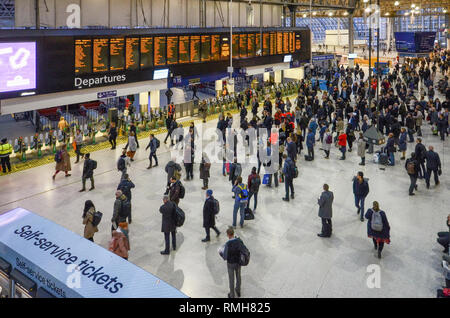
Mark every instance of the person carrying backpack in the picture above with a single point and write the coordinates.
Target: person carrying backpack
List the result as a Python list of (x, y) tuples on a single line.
[(210, 210), (235, 172), (122, 209), (62, 160), (378, 228), (326, 143), (412, 168), (176, 190), (253, 182), (123, 163), (240, 202), (125, 186), (88, 172), (88, 218), (153, 144), (168, 226), (289, 174)]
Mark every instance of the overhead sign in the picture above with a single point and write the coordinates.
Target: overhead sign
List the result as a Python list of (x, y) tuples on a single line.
[(108, 94), (322, 57), (68, 265)]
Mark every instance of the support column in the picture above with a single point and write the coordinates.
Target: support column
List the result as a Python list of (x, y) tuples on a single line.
[(292, 10), (143, 101), (351, 38), (278, 77), (266, 76), (154, 99)]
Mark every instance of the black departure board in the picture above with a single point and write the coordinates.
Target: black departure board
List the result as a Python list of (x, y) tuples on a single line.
[(160, 50), (83, 56), (243, 45), (266, 44), (172, 49), (285, 42), (298, 43), (291, 42), (100, 60), (117, 54), (225, 48), (146, 52), (258, 44), (206, 48), (132, 54), (251, 45), (279, 43), (235, 46), (215, 47), (195, 48), (183, 51)]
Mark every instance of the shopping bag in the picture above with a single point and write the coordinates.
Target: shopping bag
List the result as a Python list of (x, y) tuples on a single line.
[(227, 167), (266, 179)]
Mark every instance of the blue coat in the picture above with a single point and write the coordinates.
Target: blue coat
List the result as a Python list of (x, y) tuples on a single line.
[(433, 160), (385, 233), (310, 140), (360, 189), (402, 143), (313, 126)]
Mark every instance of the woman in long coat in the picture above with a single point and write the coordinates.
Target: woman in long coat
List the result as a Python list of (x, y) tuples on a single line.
[(204, 171), (88, 218), (64, 164), (132, 144), (402, 143), (362, 149), (378, 237)]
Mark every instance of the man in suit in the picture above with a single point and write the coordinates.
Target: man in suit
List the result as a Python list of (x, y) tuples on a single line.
[(433, 165), (168, 224), (326, 211)]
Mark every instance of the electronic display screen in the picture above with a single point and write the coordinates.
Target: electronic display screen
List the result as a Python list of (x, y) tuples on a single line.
[(83, 56), (235, 46), (132, 53), (215, 47), (195, 48), (161, 74), (285, 42), (206, 48), (101, 55), (243, 45), (18, 66), (117, 54), (273, 44), (298, 42), (183, 51), (291, 42), (251, 45), (279, 46), (160, 50), (266, 44), (172, 49), (258, 44), (146, 52), (225, 48)]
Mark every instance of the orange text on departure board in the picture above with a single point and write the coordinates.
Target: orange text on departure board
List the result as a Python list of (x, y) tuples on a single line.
[(100, 55)]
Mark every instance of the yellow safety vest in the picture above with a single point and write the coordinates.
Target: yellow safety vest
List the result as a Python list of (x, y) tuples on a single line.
[(5, 149)]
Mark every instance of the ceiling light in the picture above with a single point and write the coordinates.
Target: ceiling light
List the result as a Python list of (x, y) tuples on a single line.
[(387, 13), (314, 13), (406, 13), (345, 13), (304, 15), (365, 1), (330, 14), (396, 3), (367, 10), (445, 11), (413, 5)]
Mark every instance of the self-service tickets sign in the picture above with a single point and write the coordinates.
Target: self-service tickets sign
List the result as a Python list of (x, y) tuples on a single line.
[(68, 265)]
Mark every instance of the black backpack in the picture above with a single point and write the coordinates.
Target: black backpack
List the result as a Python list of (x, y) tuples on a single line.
[(256, 182), (216, 206), (182, 191), (244, 257), (97, 218), (58, 156), (121, 164), (125, 209), (157, 143), (180, 216), (93, 164)]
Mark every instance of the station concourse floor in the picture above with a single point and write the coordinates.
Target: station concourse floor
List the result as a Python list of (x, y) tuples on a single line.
[(287, 257)]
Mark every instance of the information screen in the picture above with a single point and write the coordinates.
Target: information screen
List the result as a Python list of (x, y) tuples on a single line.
[(83, 56), (257, 43), (17, 74), (160, 50), (195, 48), (279, 43), (225, 48), (291, 42), (183, 51), (172, 49), (273, 43), (251, 45), (206, 48), (146, 52), (101, 55), (298, 42), (117, 54), (215, 47), (266, 44), (235, 46), (243, 45), (285, 42), (132, 53)]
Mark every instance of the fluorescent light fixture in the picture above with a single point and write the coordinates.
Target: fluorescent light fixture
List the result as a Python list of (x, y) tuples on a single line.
[(314, 13), (365, 1), (396, 3), (161, 74), (28, 93), (387, 13), (413, 5), (406, 13), (304, 15), (330, 14), (445, 11), (346, 13)]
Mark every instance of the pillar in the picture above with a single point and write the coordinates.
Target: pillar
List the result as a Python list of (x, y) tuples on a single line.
[(278, 77), (154, 99), (350, 38), (292, 10), (230, 86), (143, 101), (218, 86), (266, 76)]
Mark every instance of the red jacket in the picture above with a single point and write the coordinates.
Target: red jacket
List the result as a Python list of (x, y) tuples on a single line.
[(342, 140)]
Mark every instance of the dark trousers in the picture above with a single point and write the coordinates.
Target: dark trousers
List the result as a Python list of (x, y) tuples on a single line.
[(311, 152), (234, 270), (327, 152), (153, 155), (83, 180), (112, 141), (428, 176), (359, 203), (78, 152), (378, 246), (443, 239), (343, 150), (189, 170), (207, 230), (205, 182), (413, 179), (5, 164), (275, 175), (288, 184), (442, 133), (326, 227), (91, 239), (250, 195), (169, 134), (167, 240), (137, 141)]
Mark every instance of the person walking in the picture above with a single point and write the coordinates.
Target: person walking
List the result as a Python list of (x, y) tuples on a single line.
[(112, 135), (134, 131), (175, 190), (121, 211), (342, 142), (132, 146), (378, 228), (412, 168), (168, 226), (125, 186), (62, 162), (235, 172), (88, 218), (205, 165), (210, 209), (310, 142), (232, 254), (122, 163), (326, 143), (420, 151), (88, 172), (433, 165), (173, 170), (289, 174), (326, 211), (403, 143), (153, 144), (253, 183), (390, 149), (78, 140), (5, 152), (119, 244), (360, 192), (362, 149), (240, 202)]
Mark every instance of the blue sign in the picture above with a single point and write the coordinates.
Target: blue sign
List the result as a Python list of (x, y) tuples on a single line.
[(106, 94), (414, 42), (322, 57), (68, 265), (268, 69)]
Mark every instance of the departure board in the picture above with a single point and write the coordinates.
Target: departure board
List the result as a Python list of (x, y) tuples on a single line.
[(291, 42), (235, 46), (195, 48), (100, 59), (146, 52), (285, 42), (243, 45), (279, 43), (266, 44), (251, 45), (183, 51), (215, 47), (160, 50), (132, 54), (83, 56), (117, 54), (206, 48), (225, 48), (273, 43), (257, 44), (298, 43), (172, 49)]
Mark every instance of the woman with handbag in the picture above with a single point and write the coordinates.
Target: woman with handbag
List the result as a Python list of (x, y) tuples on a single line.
[(132, 144), (88, 218)]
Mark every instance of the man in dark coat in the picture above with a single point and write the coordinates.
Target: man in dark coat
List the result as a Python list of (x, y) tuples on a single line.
[(412, 168), (360, 191), (433, 165), (420, 151), (174, 190), (288, 172), (326, 211), (88, 172), (209, 215), (152, 144), (125, 186), (291, 149), (171, 167), (168, 224)]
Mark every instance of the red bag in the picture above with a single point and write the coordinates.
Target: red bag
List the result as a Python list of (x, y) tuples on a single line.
[(227, 167)]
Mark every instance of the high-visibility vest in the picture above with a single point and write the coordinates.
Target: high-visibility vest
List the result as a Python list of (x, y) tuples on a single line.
[(5, 149), (171, 109)]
